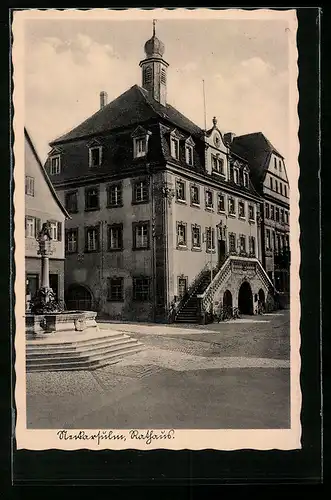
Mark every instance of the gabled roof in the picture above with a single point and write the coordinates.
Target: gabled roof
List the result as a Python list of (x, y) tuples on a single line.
[(256, 149), (133, 106), (43, 171)]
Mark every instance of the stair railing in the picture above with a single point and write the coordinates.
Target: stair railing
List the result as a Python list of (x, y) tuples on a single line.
[(207, 296), (192, 288)]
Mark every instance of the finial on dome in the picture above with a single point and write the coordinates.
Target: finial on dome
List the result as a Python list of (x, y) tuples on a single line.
[(214, 121), (154, 47), (154, 22)]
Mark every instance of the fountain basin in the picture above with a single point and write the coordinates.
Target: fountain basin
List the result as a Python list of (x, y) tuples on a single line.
[(41, 325)]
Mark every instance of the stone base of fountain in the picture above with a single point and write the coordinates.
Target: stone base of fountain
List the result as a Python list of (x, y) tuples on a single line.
[(44, 325)]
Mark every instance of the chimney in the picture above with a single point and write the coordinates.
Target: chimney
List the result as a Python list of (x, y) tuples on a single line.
[(103, 99), (228, 137)]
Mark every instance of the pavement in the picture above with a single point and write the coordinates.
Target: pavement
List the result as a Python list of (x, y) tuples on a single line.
[(227, 375)]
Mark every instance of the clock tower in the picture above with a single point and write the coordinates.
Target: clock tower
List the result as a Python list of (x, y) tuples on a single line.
[(154, 69)]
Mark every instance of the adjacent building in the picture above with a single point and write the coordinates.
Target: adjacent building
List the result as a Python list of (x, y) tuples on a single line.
[(269, 176), (42, 204), (164, 215)]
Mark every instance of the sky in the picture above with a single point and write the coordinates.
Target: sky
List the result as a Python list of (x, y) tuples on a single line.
[(244, 64)]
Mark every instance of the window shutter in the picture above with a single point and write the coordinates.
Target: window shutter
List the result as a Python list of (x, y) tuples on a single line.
[(59, 231), (37, 226)]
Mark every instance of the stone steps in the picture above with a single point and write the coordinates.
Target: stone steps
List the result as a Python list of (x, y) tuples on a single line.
[(80, 355)]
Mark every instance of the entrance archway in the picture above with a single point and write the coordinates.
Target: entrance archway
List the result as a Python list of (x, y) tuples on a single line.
[(245, 299), (227, 299), (78, 298)]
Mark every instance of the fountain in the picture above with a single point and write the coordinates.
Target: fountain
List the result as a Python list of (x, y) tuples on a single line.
[(47, 314)]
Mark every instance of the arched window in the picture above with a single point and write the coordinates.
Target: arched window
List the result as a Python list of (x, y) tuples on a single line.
[(147, 75)]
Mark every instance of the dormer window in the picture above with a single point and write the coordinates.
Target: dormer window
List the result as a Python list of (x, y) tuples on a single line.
[(246, 179), (236, 175), (95, 156), (189, 154), (55, 165), (174, 146), (140, 147), (140, 142), (217, 164), (189, 151)]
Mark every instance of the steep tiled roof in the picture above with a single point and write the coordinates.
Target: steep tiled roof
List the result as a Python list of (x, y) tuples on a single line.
[(133, 106), (47, 179), (256, 149)]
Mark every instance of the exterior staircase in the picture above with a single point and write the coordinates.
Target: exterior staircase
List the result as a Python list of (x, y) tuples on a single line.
[(188, 312), (75, 354)]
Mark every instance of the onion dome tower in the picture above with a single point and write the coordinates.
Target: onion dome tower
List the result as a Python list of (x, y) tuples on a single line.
[(154, 69)]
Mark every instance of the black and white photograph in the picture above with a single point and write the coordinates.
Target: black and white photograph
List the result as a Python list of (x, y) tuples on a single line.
[(156, 228)]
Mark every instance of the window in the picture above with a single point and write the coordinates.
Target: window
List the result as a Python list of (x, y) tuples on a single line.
[(246, 179), (242, 243), (56, 231), (275, 161), (182, 287), (271, 184), (163, 76), (276, 186), (196, 236), (268, 246), (241, 209), (115, 289), (221, 202), (115, 237), (267, 211), (189, 154), (209, 199), (232, 242), (55, 165), (274, 240), (217, 164), (140, 191), (195, 195), (232, 207), (252, 246), (140, 147), (285, 191), (210, 239), (71, 202), (140, 235), (147, 74), (174, 146), (282, 217), (141, 289), (272, 212), (114, 195), (92, 239), (181, 234), (251, 212), (281, 188), (72, 240), (236, 175), (30, 227), (95, 156), (180, 191), (92, 198), (29, 185), (280, 165), (231, 173), (286, 216), (277, 214)]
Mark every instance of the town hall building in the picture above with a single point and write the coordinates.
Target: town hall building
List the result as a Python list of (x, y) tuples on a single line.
[(165, 220)]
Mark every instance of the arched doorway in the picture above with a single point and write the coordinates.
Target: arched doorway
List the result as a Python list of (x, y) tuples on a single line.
[(78, 298), (227, 299), (245, 299)]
